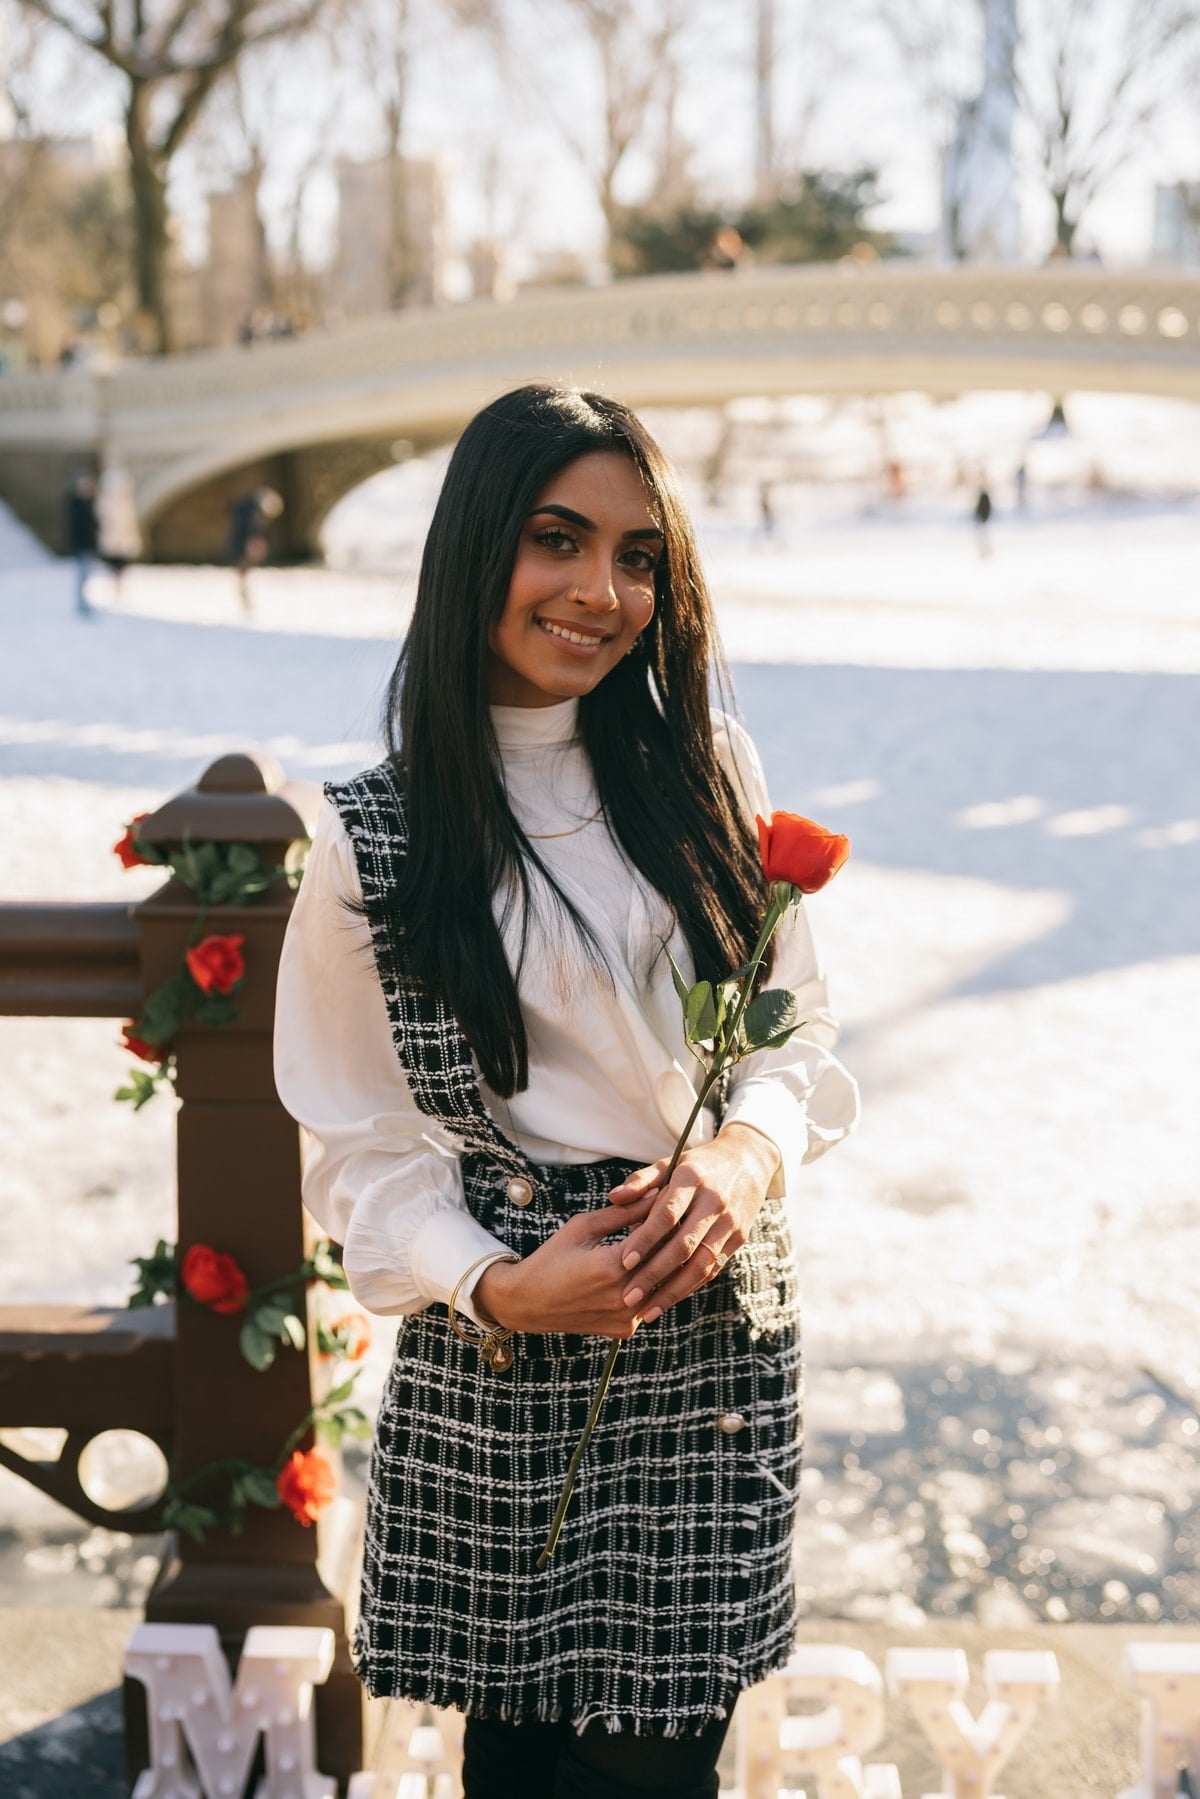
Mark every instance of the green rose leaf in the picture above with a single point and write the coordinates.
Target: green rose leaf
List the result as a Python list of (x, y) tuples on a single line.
[(681, 986), (338, 1394), (328, 1431), (258, 1485), (770, 1018), (355, 1423), (257, 1345), (700, 1013)]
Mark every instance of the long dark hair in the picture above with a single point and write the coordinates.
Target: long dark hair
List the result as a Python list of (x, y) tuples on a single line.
[(646, 727)]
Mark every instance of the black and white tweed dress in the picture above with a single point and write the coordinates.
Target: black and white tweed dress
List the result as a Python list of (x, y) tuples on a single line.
[(672, 1585)]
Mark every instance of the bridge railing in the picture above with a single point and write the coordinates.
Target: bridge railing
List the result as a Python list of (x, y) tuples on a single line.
[(175, 1373)]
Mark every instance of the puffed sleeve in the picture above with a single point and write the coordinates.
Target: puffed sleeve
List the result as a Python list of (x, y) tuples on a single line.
[(379, 1176), (800, 1095)]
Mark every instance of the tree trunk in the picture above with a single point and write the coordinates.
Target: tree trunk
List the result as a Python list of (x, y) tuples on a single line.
[(1065, 226), (148, 182)]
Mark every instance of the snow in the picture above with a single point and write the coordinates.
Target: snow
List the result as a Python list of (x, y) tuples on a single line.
[(1013, 743)]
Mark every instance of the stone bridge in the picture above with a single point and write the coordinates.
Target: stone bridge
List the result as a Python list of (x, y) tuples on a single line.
[(315, 416)]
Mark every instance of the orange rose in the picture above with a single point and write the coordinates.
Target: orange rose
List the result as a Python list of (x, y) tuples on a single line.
[(306, 1484), (217, 964), (126, 848), (797, 850), (213, 1279), (138, 1046), (352, 1336)]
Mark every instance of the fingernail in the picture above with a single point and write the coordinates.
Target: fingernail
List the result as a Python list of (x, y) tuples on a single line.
[(630, 1259), (633, 1295), (652, 1314)]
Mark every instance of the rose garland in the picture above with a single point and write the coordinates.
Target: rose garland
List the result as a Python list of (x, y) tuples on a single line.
[(302, 1480), (211, 972), (213, 967), (722, 1023), (209, 1277)]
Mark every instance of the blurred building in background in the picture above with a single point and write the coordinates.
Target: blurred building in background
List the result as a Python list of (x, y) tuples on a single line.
[(980, 213), (1177, 223), (391, 238)]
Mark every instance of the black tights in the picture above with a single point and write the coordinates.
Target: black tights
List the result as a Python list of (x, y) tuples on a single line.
[(554, 1761)]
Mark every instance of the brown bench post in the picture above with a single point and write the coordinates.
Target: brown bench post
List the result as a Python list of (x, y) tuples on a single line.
[(239, 1191)]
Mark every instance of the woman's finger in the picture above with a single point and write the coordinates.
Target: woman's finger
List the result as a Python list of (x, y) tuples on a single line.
[(610, 1221), (634, 1185), (704, 1265), (677, 1250)]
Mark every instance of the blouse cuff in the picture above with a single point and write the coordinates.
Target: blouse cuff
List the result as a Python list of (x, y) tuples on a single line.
[(446, 1244), (777, 1115)]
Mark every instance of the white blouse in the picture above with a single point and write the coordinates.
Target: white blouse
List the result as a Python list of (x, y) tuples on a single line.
[(609, 1072)]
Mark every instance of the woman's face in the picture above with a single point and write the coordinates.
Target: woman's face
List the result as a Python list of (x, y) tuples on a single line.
[(582, 587)]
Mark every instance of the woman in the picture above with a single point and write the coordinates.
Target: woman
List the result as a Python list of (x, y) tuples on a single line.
[(478, 1028)]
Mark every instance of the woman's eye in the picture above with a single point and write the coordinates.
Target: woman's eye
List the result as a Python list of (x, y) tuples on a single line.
[(554, 539), (644, 561)]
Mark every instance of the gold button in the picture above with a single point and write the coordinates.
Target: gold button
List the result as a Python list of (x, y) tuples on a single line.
[(731, 1423), (519, 1191)]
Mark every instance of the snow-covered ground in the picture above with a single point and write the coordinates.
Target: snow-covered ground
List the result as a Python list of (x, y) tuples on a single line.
[(1014, 745)]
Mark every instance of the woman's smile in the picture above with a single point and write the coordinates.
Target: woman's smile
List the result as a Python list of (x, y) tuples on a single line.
[(576, 639)]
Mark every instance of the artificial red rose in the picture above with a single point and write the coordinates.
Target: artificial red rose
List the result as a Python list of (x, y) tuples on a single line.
[(353, 1335), (797, 850), (217, 964), (126, 849), (137, 1046), (306, 1484), (214, 1280)]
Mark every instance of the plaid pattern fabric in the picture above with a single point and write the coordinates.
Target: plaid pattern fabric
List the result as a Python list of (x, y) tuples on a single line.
[(672, 1585)]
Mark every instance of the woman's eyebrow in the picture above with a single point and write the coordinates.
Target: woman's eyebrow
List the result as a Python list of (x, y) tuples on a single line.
[(587, 524)]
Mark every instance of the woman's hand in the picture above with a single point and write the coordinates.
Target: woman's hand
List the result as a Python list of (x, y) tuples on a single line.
[(696, 1222), (573, 1282)]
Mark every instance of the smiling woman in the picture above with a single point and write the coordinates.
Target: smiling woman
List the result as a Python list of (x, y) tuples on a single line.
[(492, 1094)]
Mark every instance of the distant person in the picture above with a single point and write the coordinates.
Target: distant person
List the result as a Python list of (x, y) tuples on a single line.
[(982, 516), (766, 509), (1022, 488), (120, 539), (81, 528), (897, 484), (249, 544), (726, 251)]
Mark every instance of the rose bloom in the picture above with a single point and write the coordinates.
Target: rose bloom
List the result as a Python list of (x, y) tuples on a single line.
[(217, 964), (306, 1484), (213, 1279), (138, 1046), (355, 1332), (125, 848), (797, 850)]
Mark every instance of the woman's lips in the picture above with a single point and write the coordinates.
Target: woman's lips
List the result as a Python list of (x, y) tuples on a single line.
[(582, 642)]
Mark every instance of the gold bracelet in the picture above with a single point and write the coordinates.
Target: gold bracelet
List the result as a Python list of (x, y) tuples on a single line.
[(493, 1345)]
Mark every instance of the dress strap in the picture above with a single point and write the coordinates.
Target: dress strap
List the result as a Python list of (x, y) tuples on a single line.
[(430, 1043)]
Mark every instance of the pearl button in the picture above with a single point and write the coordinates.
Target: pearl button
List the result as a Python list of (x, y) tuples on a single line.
[(519, 1191), (731, 1423)]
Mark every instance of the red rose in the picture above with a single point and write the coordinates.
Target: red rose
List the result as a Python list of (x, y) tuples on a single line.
[(137, 1046), (213, 1279), (306, 1484), (217, 964), (797, 850), (127, 849), (352, 1335)]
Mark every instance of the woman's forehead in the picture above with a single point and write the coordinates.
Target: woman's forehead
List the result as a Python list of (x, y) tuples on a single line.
[(602, 486)]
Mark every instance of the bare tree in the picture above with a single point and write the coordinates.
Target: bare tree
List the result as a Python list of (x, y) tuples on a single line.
[(940, 47), (171, 55), (1093, 79)]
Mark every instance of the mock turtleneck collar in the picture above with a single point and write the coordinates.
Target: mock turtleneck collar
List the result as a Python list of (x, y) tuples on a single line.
[(535, 727)]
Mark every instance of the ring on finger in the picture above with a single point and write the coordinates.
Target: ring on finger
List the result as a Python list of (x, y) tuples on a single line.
[(718, 1262)]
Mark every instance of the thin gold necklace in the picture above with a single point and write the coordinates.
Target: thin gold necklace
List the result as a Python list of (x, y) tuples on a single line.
[(545, 836)]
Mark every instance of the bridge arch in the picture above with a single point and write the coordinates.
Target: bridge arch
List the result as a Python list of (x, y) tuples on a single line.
[(319, 414)]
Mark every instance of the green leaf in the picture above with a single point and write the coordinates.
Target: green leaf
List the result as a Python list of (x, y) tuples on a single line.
[(355, 1423), (139, 1088), (681, 986), (258, 1485), (338, 1394), (258, 1347), (770, 1018), (271, 1316), (217, 1008), (293, 1331), (192, 1520), (328, 1430), (700, 1013)]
